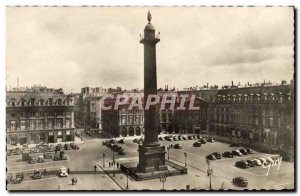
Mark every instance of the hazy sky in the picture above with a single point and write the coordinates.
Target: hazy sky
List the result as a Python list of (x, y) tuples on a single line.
[(73, 47)]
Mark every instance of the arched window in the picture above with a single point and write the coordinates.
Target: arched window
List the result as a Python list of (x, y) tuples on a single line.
[(50, 101), (59, 102)]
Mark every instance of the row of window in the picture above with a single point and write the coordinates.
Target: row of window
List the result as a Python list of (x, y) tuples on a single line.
[(254, 97), (39, 114), (41, 102), (40, 124)]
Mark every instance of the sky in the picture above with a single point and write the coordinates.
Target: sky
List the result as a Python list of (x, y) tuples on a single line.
[(74, 47)]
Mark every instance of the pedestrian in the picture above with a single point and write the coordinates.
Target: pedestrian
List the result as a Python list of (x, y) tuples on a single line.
[(72, 181), (68, 170), (117, 164), (95, 167), (45, 171)]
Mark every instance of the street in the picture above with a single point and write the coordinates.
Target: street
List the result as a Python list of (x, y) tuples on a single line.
[(81, 164)]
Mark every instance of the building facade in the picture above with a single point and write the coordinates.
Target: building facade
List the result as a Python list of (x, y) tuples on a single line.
[(39, 115), (258, 115)]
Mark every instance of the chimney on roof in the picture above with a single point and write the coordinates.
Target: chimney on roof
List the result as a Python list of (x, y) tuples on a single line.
[(264, 81), (248, 83), (207, 85), (231, 83)]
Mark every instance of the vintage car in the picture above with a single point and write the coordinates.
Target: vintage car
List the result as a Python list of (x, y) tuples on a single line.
[(37, 174), (19, 178), (202, 140), (217, 155), (236, 153), (48, 155), (240, 181), (211, 157), (122, 151), (227, 154), (242, 164), (197, 144), (177, 146), (63, 172)]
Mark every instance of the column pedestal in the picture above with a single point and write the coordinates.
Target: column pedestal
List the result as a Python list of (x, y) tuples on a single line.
[(151, 159)]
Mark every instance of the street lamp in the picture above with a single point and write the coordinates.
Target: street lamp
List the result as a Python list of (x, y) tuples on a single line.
[(163, 179), (168, 148), (127, 172), (103, 159), (114, 162), (185, 155), (209, 172)]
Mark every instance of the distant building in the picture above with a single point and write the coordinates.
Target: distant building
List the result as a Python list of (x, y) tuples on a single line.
[(38, 115)]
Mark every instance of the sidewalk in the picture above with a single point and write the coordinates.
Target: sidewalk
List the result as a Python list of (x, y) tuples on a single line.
[(195, 178)]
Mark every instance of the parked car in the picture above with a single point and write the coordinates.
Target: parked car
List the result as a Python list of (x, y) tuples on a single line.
[(211, 157), (198, 136), (240, 181), (19, 178), (169, 139), (48, 155), (202, 140), (264, 161), (190, 137), (237, 153), (40, 159), (269, 160), (67, 147), (257, 162), (63, 172), (227, 154), (175, 138), (109, 145), (197, 144), (37, 174), (177, 146), (217, 155), (122, 152), (161, 139), (180, 138), (249, 151), (184, 138), (251, 163), (235, 145), (275, 158), (136, 140), (74, 146), (121, 141), (58, 147), (32, 160), (62, 155), (242, 164), (243, 151), (211, 140)]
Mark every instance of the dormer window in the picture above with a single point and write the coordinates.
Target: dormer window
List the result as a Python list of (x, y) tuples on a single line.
[(59, 102), (50, 102), (41, 102), (13, 104), (31, 102)]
